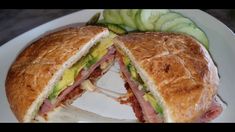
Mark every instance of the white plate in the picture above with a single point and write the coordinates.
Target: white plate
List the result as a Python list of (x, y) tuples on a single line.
[(222, 48)]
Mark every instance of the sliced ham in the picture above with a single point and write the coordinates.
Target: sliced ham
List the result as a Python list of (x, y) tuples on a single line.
[(149, 113), (47, 106), (83, 75), (134, 104), (214, 111)]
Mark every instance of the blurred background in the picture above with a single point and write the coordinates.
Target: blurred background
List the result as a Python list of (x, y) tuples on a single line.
[(15, 22)]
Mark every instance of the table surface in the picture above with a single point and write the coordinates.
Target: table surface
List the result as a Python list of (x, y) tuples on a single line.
[(15, 22)]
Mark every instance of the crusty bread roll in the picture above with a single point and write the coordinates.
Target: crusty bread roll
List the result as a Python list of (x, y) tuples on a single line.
[(35, 71), (177, 69)]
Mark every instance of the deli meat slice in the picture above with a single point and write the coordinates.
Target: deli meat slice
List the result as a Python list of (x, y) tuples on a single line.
[(134, 104), (214, 111), (47, 106), (149, 114), (83, 75)]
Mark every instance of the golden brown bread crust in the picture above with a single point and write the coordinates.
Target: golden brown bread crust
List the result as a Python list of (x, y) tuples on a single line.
[(181, 68), (36, 65)]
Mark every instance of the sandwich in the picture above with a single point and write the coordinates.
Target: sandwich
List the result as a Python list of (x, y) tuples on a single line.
[(170, 77), (49, 72)]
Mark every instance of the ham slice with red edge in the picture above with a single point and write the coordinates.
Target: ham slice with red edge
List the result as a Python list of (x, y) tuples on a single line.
[(83, 75), (47, 106), (149, 113)]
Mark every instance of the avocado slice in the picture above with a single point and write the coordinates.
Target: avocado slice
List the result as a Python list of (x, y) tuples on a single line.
[(133, 71), (149, 97), (95, 54), (67, 79), (130, 67)]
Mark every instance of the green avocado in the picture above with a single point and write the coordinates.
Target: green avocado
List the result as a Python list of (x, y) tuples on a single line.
[(94, 55), (67, 79), (149, 97), (130, 67), (70, 75), (91, 61), (126, 60), (101, 48), (132, 70)]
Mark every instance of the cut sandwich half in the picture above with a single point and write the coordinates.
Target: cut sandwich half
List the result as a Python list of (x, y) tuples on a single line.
[(172, 77), (49, 72)]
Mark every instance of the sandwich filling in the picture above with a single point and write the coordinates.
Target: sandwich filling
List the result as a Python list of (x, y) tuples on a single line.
[(148, 109), (91, 66)]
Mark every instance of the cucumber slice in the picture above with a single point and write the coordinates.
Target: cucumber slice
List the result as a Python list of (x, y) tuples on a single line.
[(134, 11), (128, 17), (128, 29), (171, 24), (181, 25), (101, 21), (148, 17), (138, 22), (94, 19), (164, 18), (196, 33), (116, 29), (112, 16)]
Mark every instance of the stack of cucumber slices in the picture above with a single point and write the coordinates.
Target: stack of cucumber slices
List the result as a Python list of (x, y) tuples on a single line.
[(161, 20)]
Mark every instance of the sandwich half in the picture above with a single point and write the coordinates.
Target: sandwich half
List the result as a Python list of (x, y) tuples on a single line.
[(171, 77), (49, 72)]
